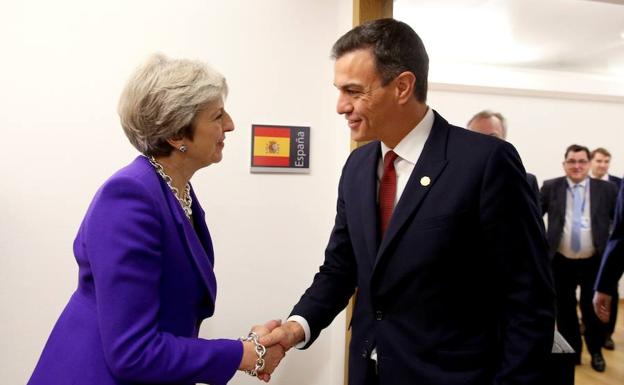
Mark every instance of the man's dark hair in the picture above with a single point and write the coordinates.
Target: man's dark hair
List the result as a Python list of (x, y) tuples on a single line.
[(396, 48), (575, 148), (600, 150)]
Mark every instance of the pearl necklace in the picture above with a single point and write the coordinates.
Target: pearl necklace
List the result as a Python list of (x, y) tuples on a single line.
[(185, 201)]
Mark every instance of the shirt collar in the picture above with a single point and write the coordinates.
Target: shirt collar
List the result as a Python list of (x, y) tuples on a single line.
[(410, 147), (571, 184), (604, 177)]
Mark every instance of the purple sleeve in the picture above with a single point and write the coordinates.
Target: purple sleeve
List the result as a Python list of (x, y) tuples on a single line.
[(122, 239)]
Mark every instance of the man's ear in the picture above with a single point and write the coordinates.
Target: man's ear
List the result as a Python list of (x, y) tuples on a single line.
[(405, 83)]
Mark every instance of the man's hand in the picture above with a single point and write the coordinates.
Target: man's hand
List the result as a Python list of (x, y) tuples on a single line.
[(286, 335), (602, 306)]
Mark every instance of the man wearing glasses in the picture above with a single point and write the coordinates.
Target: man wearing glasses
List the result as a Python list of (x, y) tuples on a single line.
[(580, 210)]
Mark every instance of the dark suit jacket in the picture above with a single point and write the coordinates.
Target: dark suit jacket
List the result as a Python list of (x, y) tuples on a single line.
[(602, 201), (459, 290), (616, 180), (145, 284), (532, 180), (613, 259)]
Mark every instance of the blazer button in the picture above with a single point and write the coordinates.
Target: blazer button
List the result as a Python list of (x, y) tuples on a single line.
[(378, 315), (364, 354)]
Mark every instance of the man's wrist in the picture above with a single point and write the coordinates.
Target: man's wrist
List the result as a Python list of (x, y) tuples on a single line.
[(303, 323), (295, 332)]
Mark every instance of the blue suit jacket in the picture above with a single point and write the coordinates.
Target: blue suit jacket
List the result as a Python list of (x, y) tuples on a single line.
[(146, 282), (612, 266), (459, 290)]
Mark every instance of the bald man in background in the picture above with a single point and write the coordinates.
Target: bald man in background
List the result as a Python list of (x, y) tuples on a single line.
[(494, 124)]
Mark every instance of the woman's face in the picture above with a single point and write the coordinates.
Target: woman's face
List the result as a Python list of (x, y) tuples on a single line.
[(211, 123)]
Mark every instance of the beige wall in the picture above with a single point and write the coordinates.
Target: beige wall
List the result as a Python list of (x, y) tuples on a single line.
[(63, 66), (541, 127)]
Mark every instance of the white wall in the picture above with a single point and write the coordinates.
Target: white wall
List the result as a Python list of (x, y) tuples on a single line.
[(541, 127), (63, 66)]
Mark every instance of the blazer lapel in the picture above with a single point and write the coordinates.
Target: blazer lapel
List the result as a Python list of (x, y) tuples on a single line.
[(430, 165), (200, 250), (201, 229)]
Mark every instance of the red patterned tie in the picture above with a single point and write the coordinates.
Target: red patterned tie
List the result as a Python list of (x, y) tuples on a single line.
[(387, 191)]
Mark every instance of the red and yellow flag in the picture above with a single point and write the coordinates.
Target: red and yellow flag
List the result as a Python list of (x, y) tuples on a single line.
[(271, 146)]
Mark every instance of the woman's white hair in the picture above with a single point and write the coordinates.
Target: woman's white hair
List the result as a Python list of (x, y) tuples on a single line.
[(161, 99)]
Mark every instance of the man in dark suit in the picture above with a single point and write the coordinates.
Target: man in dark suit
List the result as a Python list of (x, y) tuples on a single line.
[(600, 161), (437, 229), (494, 124), (580, 210)]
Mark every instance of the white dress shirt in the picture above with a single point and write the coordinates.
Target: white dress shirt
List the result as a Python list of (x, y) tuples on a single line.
[(587, 241), (408, 151)]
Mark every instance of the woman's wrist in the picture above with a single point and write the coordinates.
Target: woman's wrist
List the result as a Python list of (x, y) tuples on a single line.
[(248, 361), (259, 351)]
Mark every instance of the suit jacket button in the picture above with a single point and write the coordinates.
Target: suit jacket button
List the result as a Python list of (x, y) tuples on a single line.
[(364, 354), (378, 315)]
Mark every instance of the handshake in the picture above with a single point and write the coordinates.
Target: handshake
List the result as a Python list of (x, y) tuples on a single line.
[(275, 340)]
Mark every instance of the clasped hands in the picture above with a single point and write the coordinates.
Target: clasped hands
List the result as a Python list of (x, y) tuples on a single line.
[(277, 339)]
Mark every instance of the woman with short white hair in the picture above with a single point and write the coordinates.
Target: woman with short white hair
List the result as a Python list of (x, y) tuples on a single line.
[(144, 253)]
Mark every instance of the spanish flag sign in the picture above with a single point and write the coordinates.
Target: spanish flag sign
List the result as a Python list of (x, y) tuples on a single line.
[(280, 148)]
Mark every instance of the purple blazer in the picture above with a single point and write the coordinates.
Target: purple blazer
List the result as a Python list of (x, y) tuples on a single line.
[(146, 282)]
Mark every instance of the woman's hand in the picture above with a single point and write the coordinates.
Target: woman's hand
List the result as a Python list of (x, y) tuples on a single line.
[(273, 356)]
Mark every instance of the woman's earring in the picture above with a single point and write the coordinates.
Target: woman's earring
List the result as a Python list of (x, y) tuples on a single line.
[(183, 148)]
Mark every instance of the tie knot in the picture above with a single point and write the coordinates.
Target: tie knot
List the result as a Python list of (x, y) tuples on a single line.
[(389, 158)]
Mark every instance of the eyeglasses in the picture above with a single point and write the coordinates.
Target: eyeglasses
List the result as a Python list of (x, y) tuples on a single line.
[(572, 162)]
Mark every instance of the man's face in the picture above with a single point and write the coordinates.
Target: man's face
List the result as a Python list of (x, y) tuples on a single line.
[(576, 166), (365, 103), (489, 126), (600, 165)]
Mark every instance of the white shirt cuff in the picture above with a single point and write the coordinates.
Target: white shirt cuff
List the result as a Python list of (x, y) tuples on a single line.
[(306, 329)]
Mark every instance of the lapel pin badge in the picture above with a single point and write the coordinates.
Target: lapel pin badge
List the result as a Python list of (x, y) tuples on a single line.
[(425, 181)]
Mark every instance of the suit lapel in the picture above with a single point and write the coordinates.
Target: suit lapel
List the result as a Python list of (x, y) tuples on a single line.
[(430, 165), (594, 202), (368, 203), (562, 198)]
